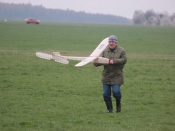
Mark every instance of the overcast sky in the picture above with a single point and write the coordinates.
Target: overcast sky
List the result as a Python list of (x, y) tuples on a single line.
[(123, 8)]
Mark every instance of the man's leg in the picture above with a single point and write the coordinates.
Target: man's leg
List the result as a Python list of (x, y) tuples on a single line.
[(107, 97), (117, 94)]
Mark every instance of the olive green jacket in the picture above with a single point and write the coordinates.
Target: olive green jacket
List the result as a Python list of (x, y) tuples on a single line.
[(113, 73)]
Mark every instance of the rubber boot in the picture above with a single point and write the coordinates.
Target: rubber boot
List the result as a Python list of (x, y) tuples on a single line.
[(109, 106), (118, 106)]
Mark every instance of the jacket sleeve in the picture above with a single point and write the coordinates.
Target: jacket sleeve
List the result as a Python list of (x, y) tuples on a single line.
[(122, 60)]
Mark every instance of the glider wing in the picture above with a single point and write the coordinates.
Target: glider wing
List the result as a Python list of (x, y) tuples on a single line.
[(100, 48), (95, 54), (85, 61)]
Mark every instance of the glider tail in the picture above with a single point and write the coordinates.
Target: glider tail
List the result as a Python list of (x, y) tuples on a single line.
[(44, 55), (56, 57)]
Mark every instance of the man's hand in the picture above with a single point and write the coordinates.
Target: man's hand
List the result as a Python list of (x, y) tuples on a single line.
[(111, 62), (95, 64)]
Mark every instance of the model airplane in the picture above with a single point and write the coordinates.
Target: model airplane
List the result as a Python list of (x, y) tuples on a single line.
[(94, 57)]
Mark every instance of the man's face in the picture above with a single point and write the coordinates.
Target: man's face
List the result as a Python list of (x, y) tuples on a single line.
[(112, 44)]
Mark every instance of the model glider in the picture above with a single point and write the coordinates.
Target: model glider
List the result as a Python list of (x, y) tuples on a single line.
[(94, 57)]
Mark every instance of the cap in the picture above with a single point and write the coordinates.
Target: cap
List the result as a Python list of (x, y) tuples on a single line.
[(112, 38)]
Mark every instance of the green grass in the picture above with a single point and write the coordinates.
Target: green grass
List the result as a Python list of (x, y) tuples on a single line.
[(41, 95)]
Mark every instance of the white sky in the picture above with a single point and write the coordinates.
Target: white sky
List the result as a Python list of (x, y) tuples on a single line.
[(123, 8)]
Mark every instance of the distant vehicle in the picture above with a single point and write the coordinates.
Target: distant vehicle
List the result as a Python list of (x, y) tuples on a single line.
[(32, 21)]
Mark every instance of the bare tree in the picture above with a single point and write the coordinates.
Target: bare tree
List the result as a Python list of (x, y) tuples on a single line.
[(153, 19), (149, 13), (165, 21), (173, 19), (139, 18)]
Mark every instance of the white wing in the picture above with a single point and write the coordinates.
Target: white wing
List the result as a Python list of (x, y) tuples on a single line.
[(100, 48), (85, 61), (95, 53)]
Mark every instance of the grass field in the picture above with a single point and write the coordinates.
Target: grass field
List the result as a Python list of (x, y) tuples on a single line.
[(41, 95)]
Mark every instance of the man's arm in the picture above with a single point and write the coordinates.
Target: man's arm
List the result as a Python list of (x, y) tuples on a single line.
[(120, 61)]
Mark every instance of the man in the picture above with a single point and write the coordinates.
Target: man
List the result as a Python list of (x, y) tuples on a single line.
[(112, 75)]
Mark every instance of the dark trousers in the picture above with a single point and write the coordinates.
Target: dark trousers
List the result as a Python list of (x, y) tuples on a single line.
[(114, 89)]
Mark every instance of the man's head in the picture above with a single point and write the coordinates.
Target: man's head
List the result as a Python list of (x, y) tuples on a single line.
[(112, 41)]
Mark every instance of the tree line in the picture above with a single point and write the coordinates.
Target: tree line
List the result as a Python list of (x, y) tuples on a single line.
[(23, 11), (154, 19)]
